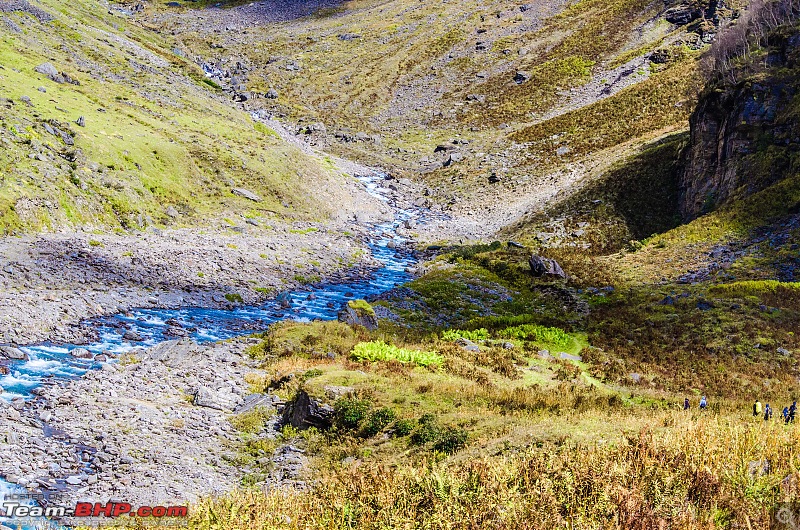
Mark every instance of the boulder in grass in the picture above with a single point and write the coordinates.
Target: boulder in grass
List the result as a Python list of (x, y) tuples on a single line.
[(358, 313), (304, 412), (541, 267), (247, 194)]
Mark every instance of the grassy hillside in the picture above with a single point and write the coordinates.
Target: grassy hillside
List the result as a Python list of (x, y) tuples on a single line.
[(155, 134), (523, 91), (500, 435)]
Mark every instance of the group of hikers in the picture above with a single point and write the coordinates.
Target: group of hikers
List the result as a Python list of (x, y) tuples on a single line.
[(787, 414), (703, 404)]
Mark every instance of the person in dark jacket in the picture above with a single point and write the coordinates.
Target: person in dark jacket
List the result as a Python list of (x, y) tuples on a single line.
[(686, 404), (792, 411), (767, 412), (703, 403), (785, 415)]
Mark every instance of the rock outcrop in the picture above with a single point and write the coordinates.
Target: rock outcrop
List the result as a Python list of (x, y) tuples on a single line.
[(743, 136), (358, 313), (541, 267), (304, 412)]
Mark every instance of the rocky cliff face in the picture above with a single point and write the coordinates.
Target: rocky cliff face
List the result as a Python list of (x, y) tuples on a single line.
[(744, 136)]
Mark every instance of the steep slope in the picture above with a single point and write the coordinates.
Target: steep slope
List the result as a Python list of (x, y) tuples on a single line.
[(745, 135), (103, 123), (496, 105)]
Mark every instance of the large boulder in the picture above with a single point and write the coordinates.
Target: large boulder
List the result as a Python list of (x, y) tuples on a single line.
[(304, 412), (358, 313), (10, 352), (204, 397), (541, 267), (247, 194)]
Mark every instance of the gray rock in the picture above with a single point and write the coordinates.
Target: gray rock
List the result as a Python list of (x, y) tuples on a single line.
[(454, 158), (47, 69), (9, 352), (247, 194), (545, 267), (568, 357), (468, 345), (758, 468), (636, 378), (132, 336), (81, 353), (203, 397), (172, 212), (335, 392), (682, 14), (358, 317), (509, 346), (81, 121), (272, 94), (305, 411), (521, 77), (74, 480)]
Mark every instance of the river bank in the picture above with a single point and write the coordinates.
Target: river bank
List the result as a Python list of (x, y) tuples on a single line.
[(50, 283), (152, 429), (157, 407)]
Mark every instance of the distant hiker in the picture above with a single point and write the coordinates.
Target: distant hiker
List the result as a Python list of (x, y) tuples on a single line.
[(785, 415), (686, 404), (767, 412), (757, 408), (792, 411), (703, 403)]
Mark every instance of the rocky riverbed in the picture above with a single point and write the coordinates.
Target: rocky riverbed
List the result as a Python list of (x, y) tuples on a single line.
[(49, 283), (152, 429)]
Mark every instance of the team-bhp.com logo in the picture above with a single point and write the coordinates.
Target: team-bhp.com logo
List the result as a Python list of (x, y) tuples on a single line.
[(13, 508)]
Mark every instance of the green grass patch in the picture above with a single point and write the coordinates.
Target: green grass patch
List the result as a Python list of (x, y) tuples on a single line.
[(380, 351), (474, 335), (362, 307), (536, 333)]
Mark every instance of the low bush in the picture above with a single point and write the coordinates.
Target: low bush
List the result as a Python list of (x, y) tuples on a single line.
[(377, 421), (348, 413), (450, 440), (404, 427)]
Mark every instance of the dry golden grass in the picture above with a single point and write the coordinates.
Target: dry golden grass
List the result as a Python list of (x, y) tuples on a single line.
[(680, 472)]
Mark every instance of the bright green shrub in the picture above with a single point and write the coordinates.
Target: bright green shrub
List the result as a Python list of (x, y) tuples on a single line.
[(536, 333), (455, 334), (380, 351)]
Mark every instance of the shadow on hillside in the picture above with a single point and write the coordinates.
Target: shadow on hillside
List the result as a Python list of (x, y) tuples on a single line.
[(635, 199)]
